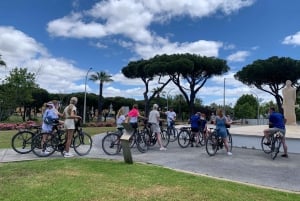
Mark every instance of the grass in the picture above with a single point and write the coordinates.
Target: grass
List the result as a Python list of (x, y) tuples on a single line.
[(6, 136), (81, 179)]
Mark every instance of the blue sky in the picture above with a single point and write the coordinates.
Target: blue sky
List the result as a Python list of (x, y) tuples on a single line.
[(60, 40)]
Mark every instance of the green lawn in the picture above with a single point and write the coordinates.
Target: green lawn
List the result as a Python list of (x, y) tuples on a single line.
[(79, 179)]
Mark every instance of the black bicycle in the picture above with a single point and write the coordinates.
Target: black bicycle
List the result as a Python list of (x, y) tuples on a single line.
[(45, 144), (214, 142), (186, 137), (111, 142), (151, 138), (272, 145), (21, 141), (173, 133)]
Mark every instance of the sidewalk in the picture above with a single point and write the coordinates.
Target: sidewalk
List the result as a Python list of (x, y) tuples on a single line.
[(246, 165)]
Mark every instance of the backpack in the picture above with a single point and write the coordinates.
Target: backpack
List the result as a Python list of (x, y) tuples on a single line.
[(48, 119)]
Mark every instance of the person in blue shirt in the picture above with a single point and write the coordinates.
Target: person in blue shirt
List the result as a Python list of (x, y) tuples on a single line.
[(277, 123), (195, 127), (49, 117)]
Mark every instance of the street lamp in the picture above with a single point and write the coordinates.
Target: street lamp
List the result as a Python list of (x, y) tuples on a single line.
[(168, 98), (84, 104), (224, 97)]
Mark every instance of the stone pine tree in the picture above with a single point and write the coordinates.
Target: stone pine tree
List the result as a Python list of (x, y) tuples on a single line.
[(100, 77), (270, 75), (189, 72)]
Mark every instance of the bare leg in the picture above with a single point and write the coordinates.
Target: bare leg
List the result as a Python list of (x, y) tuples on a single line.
[(69, 139)]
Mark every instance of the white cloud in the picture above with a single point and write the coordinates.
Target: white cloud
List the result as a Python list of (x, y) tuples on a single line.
[(292, 39), (239, 56), (132, 18), (53, 74)]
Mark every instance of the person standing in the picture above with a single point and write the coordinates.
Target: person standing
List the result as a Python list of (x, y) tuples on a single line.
[(154, 118), (277, 122), (133, 116), (221, 122), (120, 119), (70, 114), (195, 127), (171, 117), (49, 117)]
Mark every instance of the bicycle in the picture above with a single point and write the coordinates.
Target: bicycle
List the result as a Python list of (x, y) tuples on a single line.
[(151, 138), (214, 142), (21, 141), (186, 137), (172, 132), (272, 145), (111, 143), (55, 141)]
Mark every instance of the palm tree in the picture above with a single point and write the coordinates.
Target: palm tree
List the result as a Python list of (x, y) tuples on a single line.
[(102, 77), (2, 63)]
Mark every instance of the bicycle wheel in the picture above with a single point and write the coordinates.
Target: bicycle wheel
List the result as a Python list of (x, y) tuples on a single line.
[(184, 138), (21, 142), (275, 147), (82, 143), (211, 144), (265, 145), (230, 142), (141, 143), (111, 144), (201, 139), (173, 134), (165, 138), (46, 148)]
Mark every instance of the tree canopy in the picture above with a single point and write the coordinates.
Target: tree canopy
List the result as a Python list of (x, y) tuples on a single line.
[(270, 75), (189, 72)]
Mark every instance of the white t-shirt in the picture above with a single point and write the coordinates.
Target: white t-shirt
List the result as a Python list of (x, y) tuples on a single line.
[(120, 120), (154, 117), (171, 116)]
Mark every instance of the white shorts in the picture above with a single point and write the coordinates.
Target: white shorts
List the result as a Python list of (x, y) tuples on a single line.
[(69, 124)]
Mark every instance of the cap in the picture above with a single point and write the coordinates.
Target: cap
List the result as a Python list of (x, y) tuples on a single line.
[(50, 104)]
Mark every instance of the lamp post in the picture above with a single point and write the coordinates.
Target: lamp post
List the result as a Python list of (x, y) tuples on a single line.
[(168, 98), (224, 97), (84, 104)]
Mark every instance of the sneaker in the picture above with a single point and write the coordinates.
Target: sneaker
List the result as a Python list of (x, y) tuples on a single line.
[(68, 155), (45, 152), (229, 153), (284, 155), (163, 149), (267, 143)]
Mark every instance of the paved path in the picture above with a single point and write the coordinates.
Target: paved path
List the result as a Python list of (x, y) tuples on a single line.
[(246, 165)]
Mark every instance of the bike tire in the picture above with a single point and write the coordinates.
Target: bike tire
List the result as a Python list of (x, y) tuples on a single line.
[(201, 139), (165, 138), (141, 143), (21, 142), (265, 148), (82, 143), (49, 144), (211, 144), (111, 144), (276, 147), (184, 138), (173, 134)]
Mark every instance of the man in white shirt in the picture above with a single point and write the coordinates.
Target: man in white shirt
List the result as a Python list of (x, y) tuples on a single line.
[(171, 117)]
